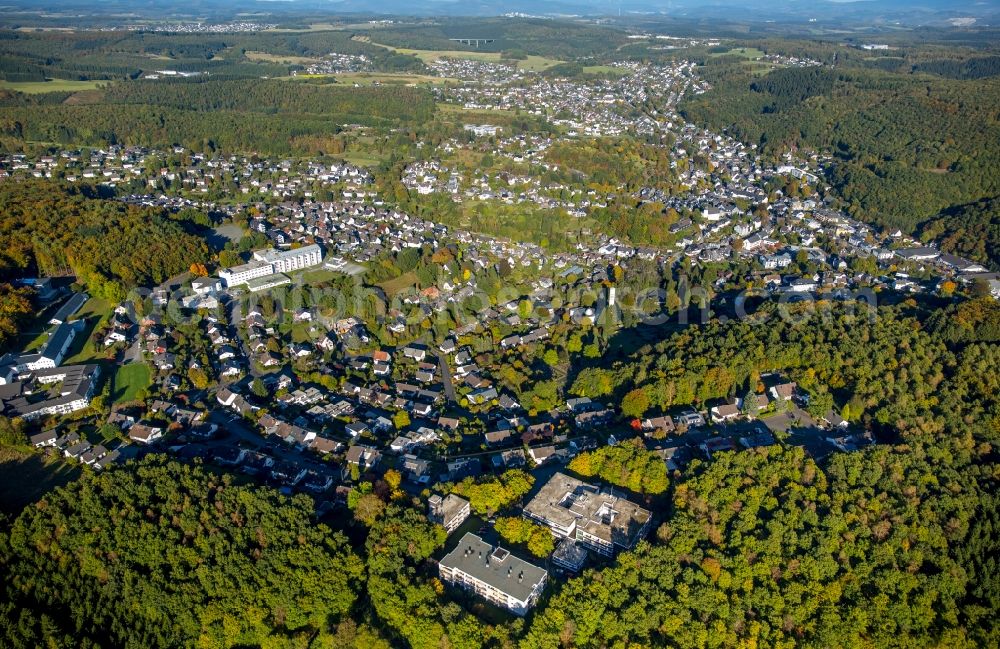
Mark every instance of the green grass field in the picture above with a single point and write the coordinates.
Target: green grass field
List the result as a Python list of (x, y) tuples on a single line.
[(604, 69), (317, 276), (749, 53), (25, 477), (537, 63), (364, 158), (129, 379), (50, 85), (531, 63), (404, 281), (278, 58), (96, 313)]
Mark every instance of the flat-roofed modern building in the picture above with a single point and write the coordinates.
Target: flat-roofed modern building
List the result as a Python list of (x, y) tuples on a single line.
[(272, 262), (267, 281), (494, 574), (569, 555), (286, 261), (597, 518), (448, 512), (243, 273)]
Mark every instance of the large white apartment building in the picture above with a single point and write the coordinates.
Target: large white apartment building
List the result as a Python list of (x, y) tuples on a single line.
[(286, 261), (270, 262), (494, 574), (238, 275)]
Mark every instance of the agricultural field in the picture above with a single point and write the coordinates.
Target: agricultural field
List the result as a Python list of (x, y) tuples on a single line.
[(49, 85), (531, 63), (278, 58)]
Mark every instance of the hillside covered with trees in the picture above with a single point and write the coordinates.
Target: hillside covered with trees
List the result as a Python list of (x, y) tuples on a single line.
[(248, 115), (117, 55), (50, 229), (971, 230), (166, 555)]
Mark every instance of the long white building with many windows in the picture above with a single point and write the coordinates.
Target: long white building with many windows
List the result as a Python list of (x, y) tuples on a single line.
[(272, 262), (286, 261), (238, 275)]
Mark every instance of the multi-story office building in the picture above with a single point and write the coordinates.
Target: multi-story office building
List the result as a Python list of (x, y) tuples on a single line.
[(494, 574)]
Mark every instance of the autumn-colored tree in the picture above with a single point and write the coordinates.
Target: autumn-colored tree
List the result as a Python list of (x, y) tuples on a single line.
[(635, 403)]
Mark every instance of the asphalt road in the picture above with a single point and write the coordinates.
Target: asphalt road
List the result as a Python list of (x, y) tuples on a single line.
[(449, 387)]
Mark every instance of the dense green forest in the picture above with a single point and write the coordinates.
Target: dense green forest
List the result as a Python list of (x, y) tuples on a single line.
[(275, 96), (609, 164), (15, 309), (51, 229), (887, 371), (890, 546), (765, 548), (555, 39), (165, 555), (905, 147), (104, 55), (626, 465), (971, 230), (259, 115)]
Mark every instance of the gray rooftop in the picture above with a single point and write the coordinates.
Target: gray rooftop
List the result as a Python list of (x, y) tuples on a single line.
[(600, 512), (444, 510), (71, 306), (57, 340), (495, 566)]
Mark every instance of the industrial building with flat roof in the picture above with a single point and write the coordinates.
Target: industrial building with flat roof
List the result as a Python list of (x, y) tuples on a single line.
[(494, 574), (597, 518)]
